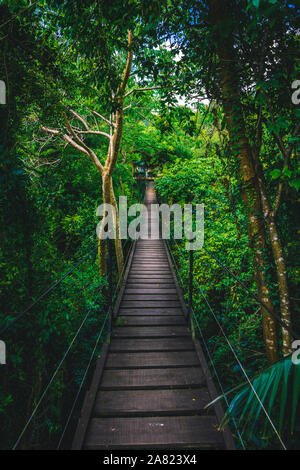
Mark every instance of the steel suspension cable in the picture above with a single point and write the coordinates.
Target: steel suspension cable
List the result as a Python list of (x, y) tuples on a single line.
[(47, 291), (55, 373), (83, 379), (254, 296), (219, 380), (210, 358), (62, 360), (123, 269), (241, 366), (93, 353)]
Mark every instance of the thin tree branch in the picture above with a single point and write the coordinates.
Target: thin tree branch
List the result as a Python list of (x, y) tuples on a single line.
[(50, 131), (110, 123), (287, 154), (70, 141), (80, 142), (141, 89), (94, 132), (80, 118)]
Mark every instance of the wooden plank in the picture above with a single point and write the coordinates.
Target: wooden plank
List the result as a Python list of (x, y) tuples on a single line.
[(178, 288), (158, 245), (149, 242), (89, 400), (145, 297), (149, 320), (125, 379), (149, 331), (145, 242), (150, 311), (160, 359), (149, 268), (123, 285), (155, 243), (149, 256), (155, 282), (154, 269), (168, 432), (149, 290), (151, 261), (160, 248), (151, 248), (151, 285), (144, 278), (156, 276), (228, 439), (174, 402), (152, 344), (149, 303)]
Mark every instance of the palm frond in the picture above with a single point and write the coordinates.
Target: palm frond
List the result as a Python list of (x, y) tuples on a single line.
[(278, 389)]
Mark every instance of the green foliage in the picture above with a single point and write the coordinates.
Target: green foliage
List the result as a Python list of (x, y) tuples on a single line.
[(274, 395), (212, 180), (63, 54)]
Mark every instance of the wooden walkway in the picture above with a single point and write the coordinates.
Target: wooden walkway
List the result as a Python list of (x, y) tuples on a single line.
[(151, 382)]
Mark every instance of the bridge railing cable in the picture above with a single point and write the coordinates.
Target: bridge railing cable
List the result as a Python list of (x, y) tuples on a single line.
[(242, 368), (189, 290), (254, 296), (83, 380), (55, 372), (207, 350), (109, 290), (52, 287), (111, 296)]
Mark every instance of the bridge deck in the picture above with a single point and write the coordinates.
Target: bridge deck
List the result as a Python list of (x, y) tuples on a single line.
[(152, 382)]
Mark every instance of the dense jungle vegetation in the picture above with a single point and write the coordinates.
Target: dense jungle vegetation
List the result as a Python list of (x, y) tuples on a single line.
[(205, 96)]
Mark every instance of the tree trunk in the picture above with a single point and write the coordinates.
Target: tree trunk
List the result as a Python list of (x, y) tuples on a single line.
[(118, 242), (108, 197), (279, 259), (241, 149), (102, 246)]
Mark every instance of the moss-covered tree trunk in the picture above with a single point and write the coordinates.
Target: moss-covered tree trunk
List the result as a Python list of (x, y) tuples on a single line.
[(241, 149), (280, 263)]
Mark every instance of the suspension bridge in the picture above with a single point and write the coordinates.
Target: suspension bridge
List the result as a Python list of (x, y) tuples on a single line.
[(151, 384)]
